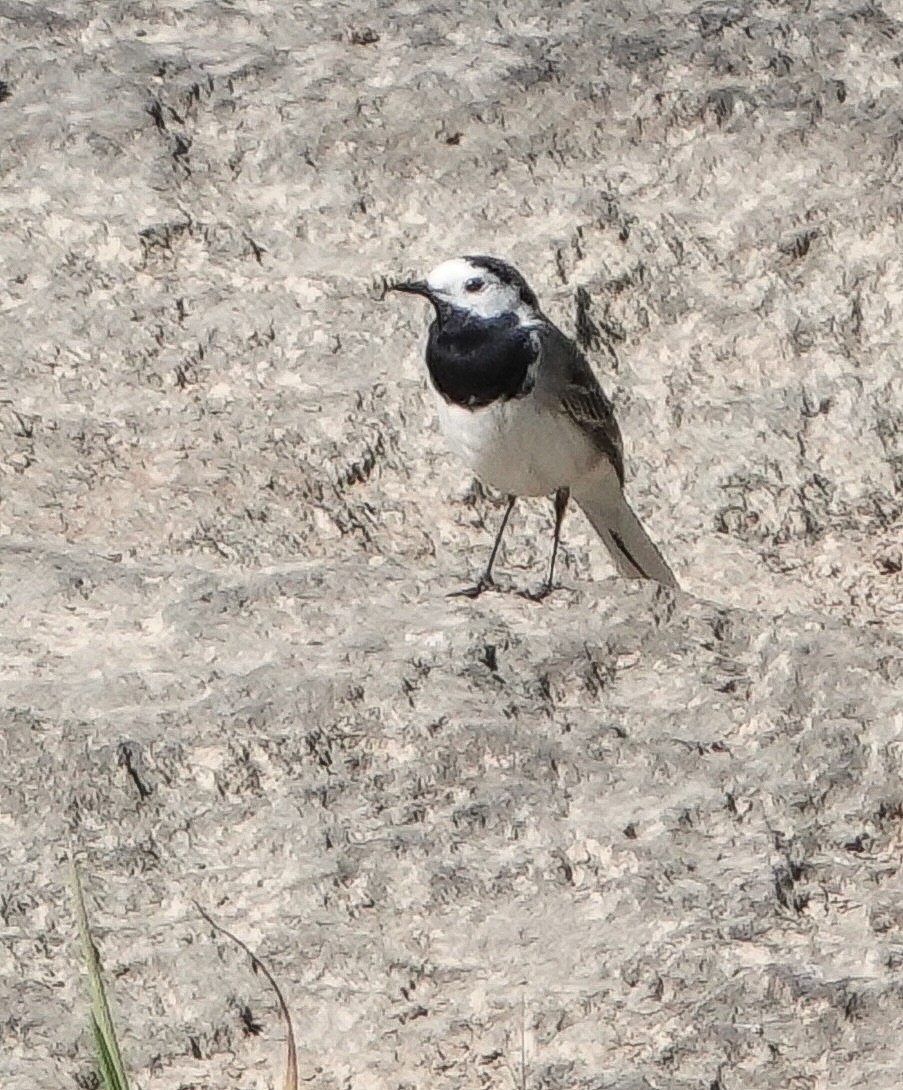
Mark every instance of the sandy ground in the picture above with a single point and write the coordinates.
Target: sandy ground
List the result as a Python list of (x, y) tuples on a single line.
[(620, 839)]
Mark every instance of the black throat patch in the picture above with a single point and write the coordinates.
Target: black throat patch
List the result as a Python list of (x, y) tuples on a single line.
[(474, 361)]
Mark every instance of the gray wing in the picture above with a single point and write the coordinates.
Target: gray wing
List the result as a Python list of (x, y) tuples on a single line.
[(581, 396)]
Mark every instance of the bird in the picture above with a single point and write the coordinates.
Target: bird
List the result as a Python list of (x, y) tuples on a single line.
[(520, 406)]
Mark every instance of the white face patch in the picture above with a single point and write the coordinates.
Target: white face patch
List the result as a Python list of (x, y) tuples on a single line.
[(469, 287)]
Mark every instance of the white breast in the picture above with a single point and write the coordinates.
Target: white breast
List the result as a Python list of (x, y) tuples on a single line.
[(518, 446)]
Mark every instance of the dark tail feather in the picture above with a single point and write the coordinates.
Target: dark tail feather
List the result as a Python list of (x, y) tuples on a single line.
[(633, 551)]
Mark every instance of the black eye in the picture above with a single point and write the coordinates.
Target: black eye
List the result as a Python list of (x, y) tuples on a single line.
[(475, 284)]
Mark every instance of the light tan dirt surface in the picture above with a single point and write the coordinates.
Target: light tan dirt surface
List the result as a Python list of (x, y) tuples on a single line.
[(618, 839)]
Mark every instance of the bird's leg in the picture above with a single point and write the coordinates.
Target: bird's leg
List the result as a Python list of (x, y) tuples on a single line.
[(562, 495), (485, 581)]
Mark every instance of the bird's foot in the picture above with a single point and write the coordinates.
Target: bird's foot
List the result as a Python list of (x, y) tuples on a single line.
[(541, 593), (483, 584)]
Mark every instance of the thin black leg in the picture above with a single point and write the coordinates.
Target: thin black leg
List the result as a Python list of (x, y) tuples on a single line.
[(561, 502), (485, 581)]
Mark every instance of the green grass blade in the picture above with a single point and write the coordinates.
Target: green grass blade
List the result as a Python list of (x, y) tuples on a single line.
[(110, 1076), (109, 1059)]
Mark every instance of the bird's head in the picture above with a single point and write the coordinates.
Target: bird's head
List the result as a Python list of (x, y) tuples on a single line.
[(482, 286)]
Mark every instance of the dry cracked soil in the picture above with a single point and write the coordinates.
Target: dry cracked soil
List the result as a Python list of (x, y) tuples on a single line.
[(620, 838)]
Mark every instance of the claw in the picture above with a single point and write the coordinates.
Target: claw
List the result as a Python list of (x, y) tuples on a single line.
[(475, 591), (539, 595)]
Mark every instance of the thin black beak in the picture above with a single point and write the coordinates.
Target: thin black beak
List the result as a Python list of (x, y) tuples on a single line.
[(412, 287)]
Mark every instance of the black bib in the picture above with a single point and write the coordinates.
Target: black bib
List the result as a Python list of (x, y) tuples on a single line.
[(475, 361)]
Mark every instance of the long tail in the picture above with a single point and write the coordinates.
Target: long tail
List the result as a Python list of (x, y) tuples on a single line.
[(633, 551)]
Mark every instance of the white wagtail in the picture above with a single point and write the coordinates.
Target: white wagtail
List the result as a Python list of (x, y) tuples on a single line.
[(520, 405)]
